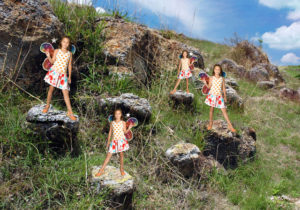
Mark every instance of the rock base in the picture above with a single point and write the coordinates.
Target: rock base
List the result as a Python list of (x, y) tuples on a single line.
[(181, 97), (120, 187)]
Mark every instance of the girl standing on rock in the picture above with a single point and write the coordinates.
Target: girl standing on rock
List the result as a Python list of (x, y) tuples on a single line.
[(57, 75), (185, 72), (214, 99), (119, 143)]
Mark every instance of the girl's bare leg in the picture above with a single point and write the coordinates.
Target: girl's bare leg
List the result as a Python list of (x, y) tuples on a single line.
[(49, 97), (121, 164), (68, 104), (176, 85), (100, 172), (187, 85), (227, 119), (211, 113)]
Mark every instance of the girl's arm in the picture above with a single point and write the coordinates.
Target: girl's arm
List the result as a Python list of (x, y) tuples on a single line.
[(52, 60), (70, 69), (109, 135), (224, 90), (209, 84), (124, 127), (179, 66)]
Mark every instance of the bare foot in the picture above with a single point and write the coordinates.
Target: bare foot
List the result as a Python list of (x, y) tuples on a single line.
[(187, 91), (71, 116), (209, 126), (99, 173), (122, 173), (232, 129), (172, 92), (45, 110)]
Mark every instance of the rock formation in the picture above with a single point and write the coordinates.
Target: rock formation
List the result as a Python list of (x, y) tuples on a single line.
[(24, 25), (182, 97), (136, 48), (55, 127), (120, 188), (227, 147)]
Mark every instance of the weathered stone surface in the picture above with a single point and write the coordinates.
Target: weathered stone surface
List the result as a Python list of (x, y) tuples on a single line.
[(260, 72), (140, 49), (129, 103), (182, 97), (120, 187), (185, 156), (232, 83), (54, 126), (266, 84), (233, 98), (231, 66), (290, 94), (24, 25), (227, 147)]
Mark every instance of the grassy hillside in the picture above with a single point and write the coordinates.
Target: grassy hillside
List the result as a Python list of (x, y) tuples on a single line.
[(30, 178)]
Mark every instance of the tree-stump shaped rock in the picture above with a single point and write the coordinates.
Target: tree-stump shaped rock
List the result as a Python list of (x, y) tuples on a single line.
[(181, 97), (185, 156), (129, 103), (227, 147), (55, 127), (120, 187)]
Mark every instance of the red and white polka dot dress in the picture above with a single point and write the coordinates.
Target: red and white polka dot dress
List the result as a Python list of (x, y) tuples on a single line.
[(57, 75), (185, 69), (119, 142), (214, 97)]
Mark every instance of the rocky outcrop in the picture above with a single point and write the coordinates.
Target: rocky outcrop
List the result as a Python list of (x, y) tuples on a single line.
[(185, 156), (55, 127), (232, 83), (181, 97), (226, 147), (266, 84), (252, 54), (24, 25), (190, 161), (233, 99), (290, 94), (120, 188), (260, 72), (129, 103), (141, 50)]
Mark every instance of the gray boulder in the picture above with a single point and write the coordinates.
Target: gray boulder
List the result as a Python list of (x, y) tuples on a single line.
[(56, 127), (120, 188), (182, 97), (233, 98), (226, 147), (129, 103), (24, 25), (290, 94), (266, 84), (231, 66)]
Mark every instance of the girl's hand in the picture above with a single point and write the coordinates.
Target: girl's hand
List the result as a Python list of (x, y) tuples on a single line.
[(47, 54), (130, 126), (69, 80)]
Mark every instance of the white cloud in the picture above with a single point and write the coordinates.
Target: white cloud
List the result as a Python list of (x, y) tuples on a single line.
[(100, 10), (185, 12), (293, 5), (284, 38), (84, 2), (290, 58)]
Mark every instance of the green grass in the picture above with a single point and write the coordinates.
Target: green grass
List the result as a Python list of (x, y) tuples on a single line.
[(291, 74), (34, 177)]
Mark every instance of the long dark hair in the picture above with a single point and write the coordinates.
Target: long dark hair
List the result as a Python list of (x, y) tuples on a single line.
[(118, 109), (64, 37), (187, 53), (221, 73)]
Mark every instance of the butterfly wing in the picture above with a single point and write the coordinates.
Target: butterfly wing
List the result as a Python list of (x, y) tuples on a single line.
[(129, 136), (133, 121), (110, 118), (46, 64), (224, 74), (205, 90), (73, 49), (47, 47)]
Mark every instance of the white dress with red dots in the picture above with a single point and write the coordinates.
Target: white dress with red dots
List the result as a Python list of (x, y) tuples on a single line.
[(185, 69), (214, 97), (119, 142), (57, 75)]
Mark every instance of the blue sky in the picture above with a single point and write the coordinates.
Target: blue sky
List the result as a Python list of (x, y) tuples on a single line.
[(276, 22)]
